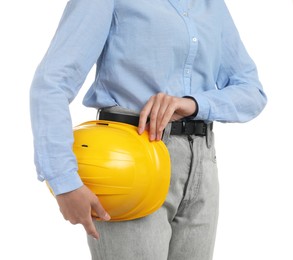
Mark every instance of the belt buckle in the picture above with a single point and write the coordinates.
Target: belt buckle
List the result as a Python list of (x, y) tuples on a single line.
[(201, 129), (198, 128), (189, 127), (177, 127)]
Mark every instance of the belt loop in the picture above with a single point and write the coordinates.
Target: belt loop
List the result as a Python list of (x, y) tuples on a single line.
[(208, 136), (98, 113), (166, 134)]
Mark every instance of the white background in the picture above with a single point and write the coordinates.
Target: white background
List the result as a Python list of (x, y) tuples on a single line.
[(254, 159)]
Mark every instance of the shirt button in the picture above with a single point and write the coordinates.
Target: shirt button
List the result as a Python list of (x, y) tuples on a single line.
[(185, 14), (187, 71), (194, 39)]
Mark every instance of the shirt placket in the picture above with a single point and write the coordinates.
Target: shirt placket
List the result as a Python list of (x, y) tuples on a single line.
[(183, 10)]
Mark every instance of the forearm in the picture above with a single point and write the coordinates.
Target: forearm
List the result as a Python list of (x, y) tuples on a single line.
[(74, 49), (53, 138), (238, 94), (237, 103)]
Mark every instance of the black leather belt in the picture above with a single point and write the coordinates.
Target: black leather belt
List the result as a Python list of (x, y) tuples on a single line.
[(184, 127)]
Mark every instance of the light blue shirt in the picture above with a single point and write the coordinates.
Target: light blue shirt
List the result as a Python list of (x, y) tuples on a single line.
[(179, 47)]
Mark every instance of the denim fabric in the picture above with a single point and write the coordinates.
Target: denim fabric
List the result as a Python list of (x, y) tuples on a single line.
[(140, 48), (185, 226)]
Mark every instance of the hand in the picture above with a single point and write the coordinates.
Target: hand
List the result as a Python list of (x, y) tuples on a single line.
[(76, 207), (161, 109)]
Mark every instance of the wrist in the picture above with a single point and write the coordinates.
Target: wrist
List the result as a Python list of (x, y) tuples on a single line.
[(194, 114)]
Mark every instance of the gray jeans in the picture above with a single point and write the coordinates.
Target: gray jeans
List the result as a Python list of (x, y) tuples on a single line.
[(185, 226)]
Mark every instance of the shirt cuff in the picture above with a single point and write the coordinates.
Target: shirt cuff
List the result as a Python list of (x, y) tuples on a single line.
[(65, 183), (203, 107), (196, 107)]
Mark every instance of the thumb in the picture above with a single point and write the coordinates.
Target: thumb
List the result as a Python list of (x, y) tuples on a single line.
[(99, 210)]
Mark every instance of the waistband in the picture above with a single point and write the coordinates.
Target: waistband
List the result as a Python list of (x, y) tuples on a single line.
[(182, 127)]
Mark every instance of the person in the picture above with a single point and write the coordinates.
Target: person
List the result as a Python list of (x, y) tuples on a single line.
[(174, 63)]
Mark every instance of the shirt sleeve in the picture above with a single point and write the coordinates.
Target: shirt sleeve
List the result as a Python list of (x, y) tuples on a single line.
[(74, 49), (238, 95)]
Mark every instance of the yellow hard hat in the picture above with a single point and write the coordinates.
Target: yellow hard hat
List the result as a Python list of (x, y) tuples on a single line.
[(129, 174)]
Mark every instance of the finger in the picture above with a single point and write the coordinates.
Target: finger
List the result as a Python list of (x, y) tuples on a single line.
[(164, 103), (154, 117), (169, 112), (164, 115), (90, 228), (143, 117), (100, 211), (165, 120)]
